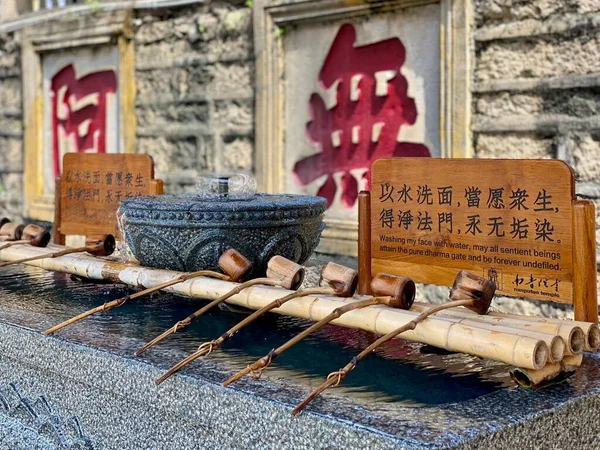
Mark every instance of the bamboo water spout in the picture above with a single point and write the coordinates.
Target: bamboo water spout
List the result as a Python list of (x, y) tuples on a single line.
[(532, 379), (231, 262), (591, 330), (280, 272), (469, 290), (342, 281), (390, 290), (33, 235), (103, 245), (572, 334)]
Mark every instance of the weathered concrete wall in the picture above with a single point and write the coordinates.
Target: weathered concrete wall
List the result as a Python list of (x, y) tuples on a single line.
[(536, 88), (195, 98), (11, 129), (537, 84)]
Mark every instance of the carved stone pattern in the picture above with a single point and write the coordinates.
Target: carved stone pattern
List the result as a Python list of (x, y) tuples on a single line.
[(65, 432), (240, 216)]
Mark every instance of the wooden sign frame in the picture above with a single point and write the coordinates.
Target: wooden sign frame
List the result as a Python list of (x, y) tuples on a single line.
[(582, 238), (87, 174)]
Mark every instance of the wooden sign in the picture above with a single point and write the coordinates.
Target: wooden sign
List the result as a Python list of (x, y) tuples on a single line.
[(510, 221), (93, 185)]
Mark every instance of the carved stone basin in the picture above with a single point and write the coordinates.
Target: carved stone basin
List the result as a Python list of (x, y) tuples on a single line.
[(188, 232)]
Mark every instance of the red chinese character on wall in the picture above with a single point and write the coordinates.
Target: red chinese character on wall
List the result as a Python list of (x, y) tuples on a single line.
[(79, 111), (372, 105)]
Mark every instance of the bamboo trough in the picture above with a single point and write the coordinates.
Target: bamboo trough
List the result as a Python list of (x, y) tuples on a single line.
[(519, 341)]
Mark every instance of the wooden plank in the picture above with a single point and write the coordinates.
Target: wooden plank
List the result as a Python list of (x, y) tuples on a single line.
[(364, 243), (57, 236), (585, 295), (507, 220), (93, 185)]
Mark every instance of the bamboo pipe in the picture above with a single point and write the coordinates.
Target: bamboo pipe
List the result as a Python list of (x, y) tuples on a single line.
[(233, 263), (555, 343), (33, 235), (99, 246), (591, 330), (338, 287), (469, 290), (572, 335), (509, 349), (400, 293), (531, 379), (280, 272)]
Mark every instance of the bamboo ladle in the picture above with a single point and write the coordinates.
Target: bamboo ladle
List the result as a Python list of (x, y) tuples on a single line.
[(10, 231), (234, 264), (102, 245), (33, 235), (390, 290), (280, 272), (469, 290), (342, 281)]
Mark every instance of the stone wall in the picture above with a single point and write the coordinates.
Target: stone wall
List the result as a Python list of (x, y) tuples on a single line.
[(11, 129), (537, 84), (195, 98), (536, 90)]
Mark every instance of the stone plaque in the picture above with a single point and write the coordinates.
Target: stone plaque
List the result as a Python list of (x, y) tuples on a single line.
[(81, 106), (341, 84), (510, 221), (93, 185)]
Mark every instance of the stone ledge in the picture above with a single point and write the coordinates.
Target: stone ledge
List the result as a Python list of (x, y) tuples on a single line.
[(243, 94), (538, 84), (542, 123), (533, 27), (119, 406), (195, 60)]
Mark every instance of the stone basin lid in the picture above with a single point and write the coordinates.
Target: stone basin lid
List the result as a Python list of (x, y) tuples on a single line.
[(229, 211)]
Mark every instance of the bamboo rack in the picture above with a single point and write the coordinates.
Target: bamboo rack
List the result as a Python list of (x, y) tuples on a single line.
[(514, 349)]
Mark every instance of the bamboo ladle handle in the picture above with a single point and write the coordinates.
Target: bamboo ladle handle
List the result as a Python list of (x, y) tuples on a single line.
[(398, 292), (257, 368), (280, 272), (208, 347), (120, 301), (231, 260), (103, 246), (336, 378), (344, 287), (469, 290)]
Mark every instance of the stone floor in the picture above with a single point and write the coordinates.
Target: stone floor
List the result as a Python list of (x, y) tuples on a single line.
[(56, 394)]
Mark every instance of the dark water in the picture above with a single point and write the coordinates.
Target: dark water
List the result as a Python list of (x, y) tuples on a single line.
[(400, 371)]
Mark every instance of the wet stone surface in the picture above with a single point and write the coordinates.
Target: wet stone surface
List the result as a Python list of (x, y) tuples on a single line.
[(404, 396)]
